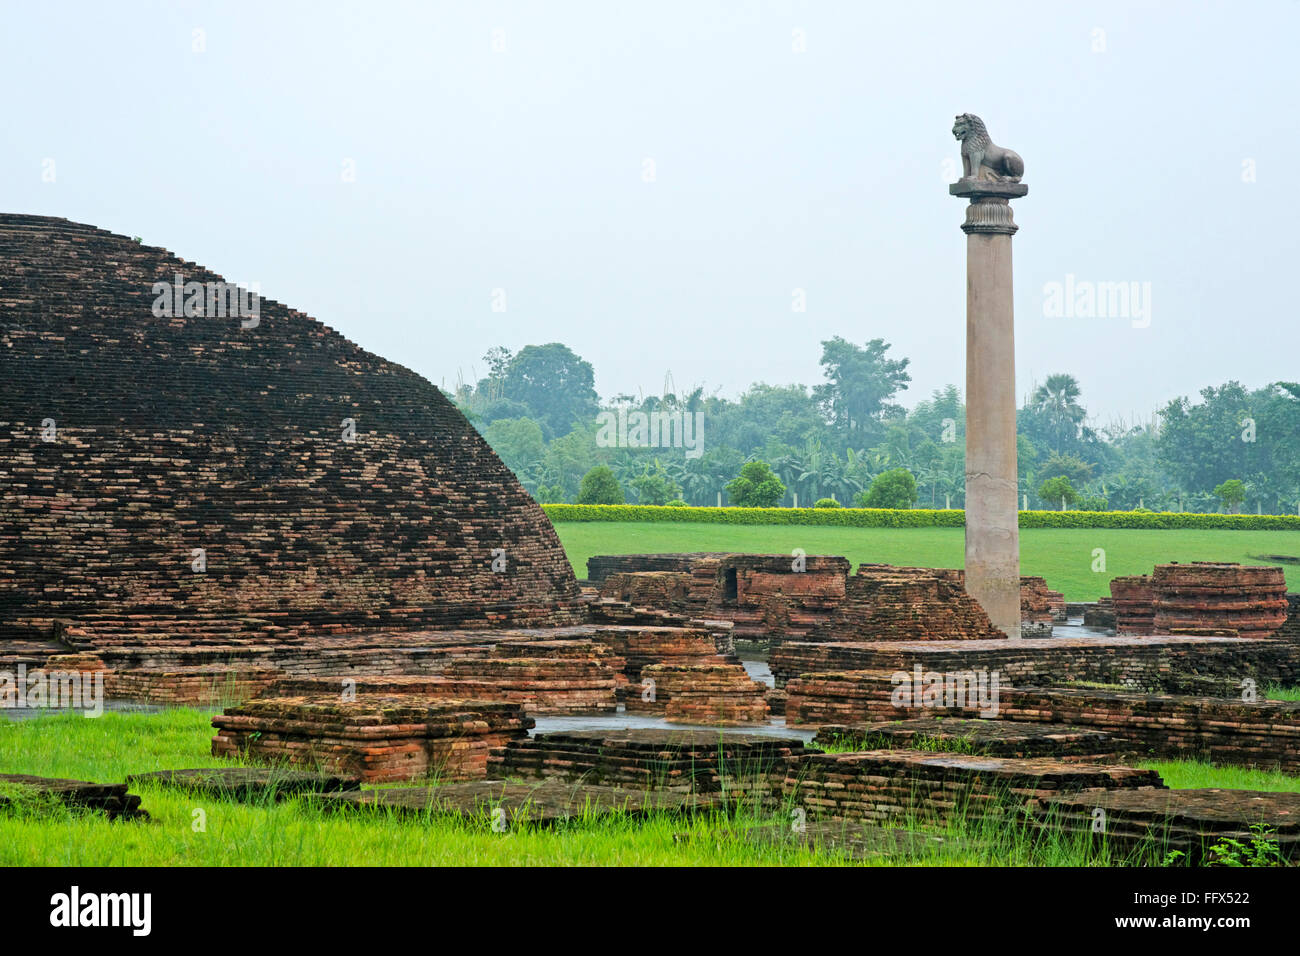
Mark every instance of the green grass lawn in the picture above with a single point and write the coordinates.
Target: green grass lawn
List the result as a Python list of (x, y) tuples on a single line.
[(1064, 556)]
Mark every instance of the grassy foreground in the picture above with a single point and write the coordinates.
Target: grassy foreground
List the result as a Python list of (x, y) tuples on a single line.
[(291, 834), (1064, 556)]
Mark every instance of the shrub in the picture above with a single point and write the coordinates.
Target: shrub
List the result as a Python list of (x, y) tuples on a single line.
[(827, 503), (676, 503), (600, 487), (756, 486), (917, 518), (895, 488)]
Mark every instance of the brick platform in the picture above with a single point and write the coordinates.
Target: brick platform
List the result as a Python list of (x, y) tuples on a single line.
[(1190, 821), (204, 686), (887, 603), (892, 784), (378, 739), (1172, 664), (1100, 614), (650, 759), (1262, 734), (998, 738)]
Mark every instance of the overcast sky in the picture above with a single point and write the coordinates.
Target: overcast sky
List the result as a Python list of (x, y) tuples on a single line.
[(650, 182)]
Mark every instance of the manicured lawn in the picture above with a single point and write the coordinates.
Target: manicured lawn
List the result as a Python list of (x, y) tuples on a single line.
[(1064, 556)]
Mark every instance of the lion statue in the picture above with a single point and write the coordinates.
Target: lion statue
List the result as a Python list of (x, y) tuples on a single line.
[(981, 158)]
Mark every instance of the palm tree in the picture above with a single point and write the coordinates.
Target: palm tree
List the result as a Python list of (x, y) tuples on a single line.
[(1058, 399)]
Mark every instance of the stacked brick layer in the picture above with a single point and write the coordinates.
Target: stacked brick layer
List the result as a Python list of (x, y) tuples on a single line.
[(190, 686), (650, 759), (713, 694), (1248, 600), (378, 739), (886, 603), (1259, 733), (1133, 600), (175, 433), (998, 738), (895, 784), (640, 647), (1169, 664), (1190, 821)]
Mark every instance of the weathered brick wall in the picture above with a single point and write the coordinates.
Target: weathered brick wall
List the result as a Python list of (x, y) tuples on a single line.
[(182, 433), (1169, 664), (601, 566), (886, 603)]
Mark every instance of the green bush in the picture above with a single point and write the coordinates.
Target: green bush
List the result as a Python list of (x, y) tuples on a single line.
[(677, 503), (895, 488), (756, 486), (827, 503), (916, 518), (600, 487)]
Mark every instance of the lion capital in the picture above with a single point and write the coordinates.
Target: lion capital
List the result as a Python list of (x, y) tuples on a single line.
[(981, 158)]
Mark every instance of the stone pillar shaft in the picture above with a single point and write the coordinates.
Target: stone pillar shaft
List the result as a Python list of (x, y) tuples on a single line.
[(992, 516)]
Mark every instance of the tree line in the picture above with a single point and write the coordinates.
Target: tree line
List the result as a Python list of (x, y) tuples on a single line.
[(1231, 448)]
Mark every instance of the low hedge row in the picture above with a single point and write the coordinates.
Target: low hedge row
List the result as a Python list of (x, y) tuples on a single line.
[(917, 517)]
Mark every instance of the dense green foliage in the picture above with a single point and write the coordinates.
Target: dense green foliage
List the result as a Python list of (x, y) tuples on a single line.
[(836, 437)]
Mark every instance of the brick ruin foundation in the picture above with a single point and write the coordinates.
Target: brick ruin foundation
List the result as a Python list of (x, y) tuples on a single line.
[(649, 759), (1168, 664), (716, 693), (378, 739), (1257, 733), (883, 785), (777, 598), (996, 738), (1247, 601)]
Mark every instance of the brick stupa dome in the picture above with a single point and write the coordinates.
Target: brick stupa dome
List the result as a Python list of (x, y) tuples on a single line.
[(173, 434)]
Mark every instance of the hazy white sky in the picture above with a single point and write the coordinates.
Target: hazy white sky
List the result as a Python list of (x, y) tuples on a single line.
[(523, 169)]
